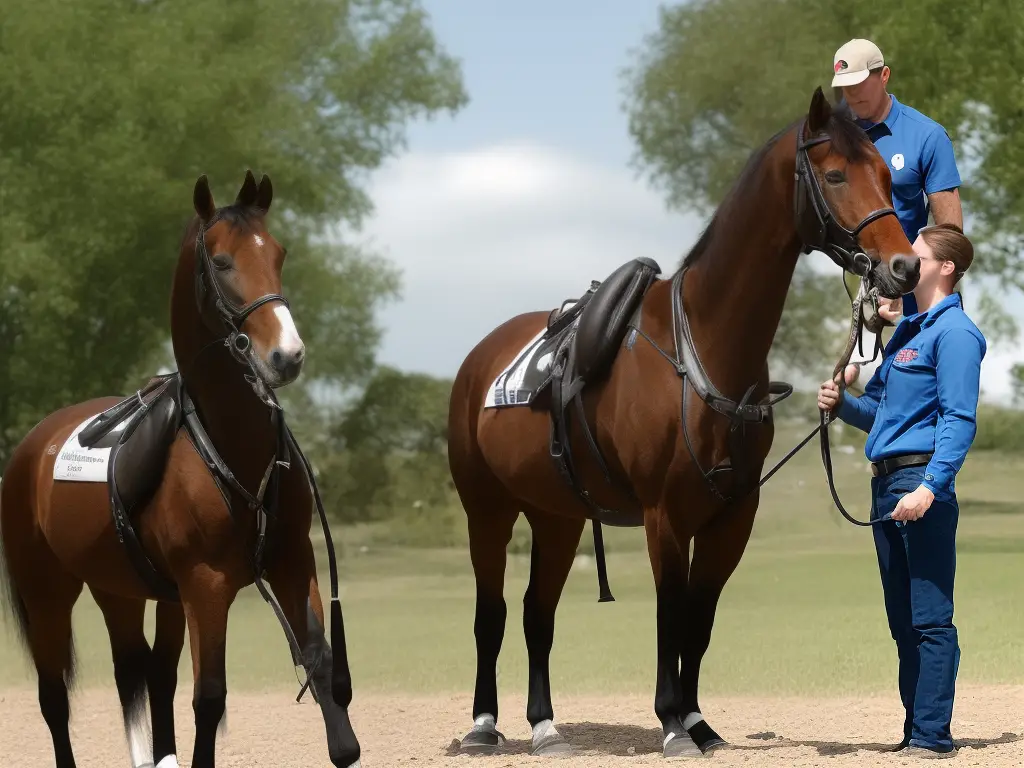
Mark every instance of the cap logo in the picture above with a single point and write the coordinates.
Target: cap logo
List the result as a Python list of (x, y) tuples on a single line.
[(841, 64)]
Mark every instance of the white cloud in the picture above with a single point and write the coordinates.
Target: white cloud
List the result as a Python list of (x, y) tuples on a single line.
[(482, 235)]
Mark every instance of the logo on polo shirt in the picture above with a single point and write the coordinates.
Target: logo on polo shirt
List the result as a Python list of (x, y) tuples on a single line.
[(898, 161), (905, 356), (840, 65)]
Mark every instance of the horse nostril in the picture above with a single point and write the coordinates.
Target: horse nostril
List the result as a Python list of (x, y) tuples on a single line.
[(287, 363), (905, 266)]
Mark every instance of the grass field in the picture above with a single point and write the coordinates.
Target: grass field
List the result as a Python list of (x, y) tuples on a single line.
[(802, 614)]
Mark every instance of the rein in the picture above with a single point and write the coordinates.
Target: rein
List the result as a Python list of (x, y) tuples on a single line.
[(819, 230), (240, 346)]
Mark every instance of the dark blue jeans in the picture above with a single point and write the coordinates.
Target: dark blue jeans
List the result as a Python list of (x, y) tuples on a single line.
[(917, 562)]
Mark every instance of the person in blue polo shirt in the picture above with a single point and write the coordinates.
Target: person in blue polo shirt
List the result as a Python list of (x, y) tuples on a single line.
[(916, 148), (919, 410)]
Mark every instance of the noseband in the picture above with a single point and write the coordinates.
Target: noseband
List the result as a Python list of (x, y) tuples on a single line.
[(233, 317), (819, 229)]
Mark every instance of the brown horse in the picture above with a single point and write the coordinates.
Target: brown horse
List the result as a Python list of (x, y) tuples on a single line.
[(683, 464), (205, 492)]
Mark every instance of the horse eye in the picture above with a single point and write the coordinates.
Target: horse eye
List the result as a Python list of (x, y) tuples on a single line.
[(223, 261), (835, 177)]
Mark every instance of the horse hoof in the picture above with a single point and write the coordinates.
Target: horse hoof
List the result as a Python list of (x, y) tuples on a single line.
[(681, 745), (709, 747), (552, 745), (704, 736), (481, 743)]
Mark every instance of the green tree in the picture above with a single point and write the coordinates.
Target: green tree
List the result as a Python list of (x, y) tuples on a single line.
[(110, 113), (390, 451), (1017, 384), (718, 77)]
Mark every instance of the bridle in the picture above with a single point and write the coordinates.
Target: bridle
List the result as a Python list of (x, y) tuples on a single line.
[(232, 316), (818, 228)]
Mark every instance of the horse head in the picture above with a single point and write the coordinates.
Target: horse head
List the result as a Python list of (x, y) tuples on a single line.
[(238, 266), (844, 201)]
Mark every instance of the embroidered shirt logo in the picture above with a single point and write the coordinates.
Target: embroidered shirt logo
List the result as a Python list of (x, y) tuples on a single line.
[(898, 162), (905, 356)]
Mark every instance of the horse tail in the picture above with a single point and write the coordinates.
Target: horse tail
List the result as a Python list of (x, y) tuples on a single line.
[(11, 603)]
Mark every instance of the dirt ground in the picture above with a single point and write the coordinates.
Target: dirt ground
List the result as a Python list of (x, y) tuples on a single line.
[(270, 729)]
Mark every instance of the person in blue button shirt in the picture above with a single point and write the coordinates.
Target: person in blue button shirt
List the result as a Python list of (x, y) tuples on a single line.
[(917, 149), (919, 410)]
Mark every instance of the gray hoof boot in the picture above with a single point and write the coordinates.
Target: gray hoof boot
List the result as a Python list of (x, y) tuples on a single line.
[(484, 739), (680, 745), (548, 742)]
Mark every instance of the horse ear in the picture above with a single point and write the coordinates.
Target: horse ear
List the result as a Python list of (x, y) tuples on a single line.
[(247, 194), (202, 199), (264, 194), (819, 114)]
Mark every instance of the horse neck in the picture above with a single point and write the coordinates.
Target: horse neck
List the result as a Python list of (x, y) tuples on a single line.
[(735, 292), (238, 423)]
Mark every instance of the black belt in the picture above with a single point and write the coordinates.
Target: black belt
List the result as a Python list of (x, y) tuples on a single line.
[(884, 467)]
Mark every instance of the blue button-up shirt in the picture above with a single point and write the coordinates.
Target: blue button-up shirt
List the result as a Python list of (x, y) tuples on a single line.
[(923, 398), (921, 162)]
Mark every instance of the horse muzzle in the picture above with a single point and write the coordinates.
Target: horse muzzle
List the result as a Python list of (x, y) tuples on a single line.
[(897, 277)]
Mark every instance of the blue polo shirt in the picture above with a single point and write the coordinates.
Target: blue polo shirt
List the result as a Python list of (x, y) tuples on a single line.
[(920, 157), (923, 398)]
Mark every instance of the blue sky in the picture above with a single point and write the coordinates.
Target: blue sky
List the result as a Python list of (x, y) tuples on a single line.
[(540, 70), (527, 194)]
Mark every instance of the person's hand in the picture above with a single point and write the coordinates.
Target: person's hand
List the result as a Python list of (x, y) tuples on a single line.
[(914, 504), (851, 373), (890, 310), (828, 395)]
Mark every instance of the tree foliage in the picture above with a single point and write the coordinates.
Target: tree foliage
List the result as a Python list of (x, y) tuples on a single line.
[(390, 449), (111, 110), (717, 78)]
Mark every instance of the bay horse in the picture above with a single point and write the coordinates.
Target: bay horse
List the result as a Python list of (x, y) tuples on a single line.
[(683, 464), (206, 491)]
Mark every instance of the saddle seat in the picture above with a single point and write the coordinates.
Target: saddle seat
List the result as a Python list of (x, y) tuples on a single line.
[(139, 431), (585, 341), (138, 451)]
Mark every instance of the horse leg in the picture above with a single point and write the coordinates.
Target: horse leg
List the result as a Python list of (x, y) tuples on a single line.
[(162, 680), (125, 619), (717, 549), (555, 540), (206, 601), (48, 609), (491, 518), (294, 582), (670, 563)]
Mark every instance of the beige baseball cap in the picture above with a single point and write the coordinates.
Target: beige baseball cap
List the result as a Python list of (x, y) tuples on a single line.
[(854, 61)]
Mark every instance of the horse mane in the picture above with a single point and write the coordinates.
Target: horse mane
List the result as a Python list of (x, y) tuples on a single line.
[(849, 140), (236, 215)]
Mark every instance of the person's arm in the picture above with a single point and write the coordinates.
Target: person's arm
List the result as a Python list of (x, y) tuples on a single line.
[(942, 179), (958, 358), (946, 207), (860, 411)]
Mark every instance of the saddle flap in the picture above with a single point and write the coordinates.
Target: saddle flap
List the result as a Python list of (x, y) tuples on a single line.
[(141, 455), (606, 316)]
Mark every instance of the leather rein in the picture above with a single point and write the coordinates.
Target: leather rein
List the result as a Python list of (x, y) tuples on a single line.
[(265, 507), (818, 230)]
